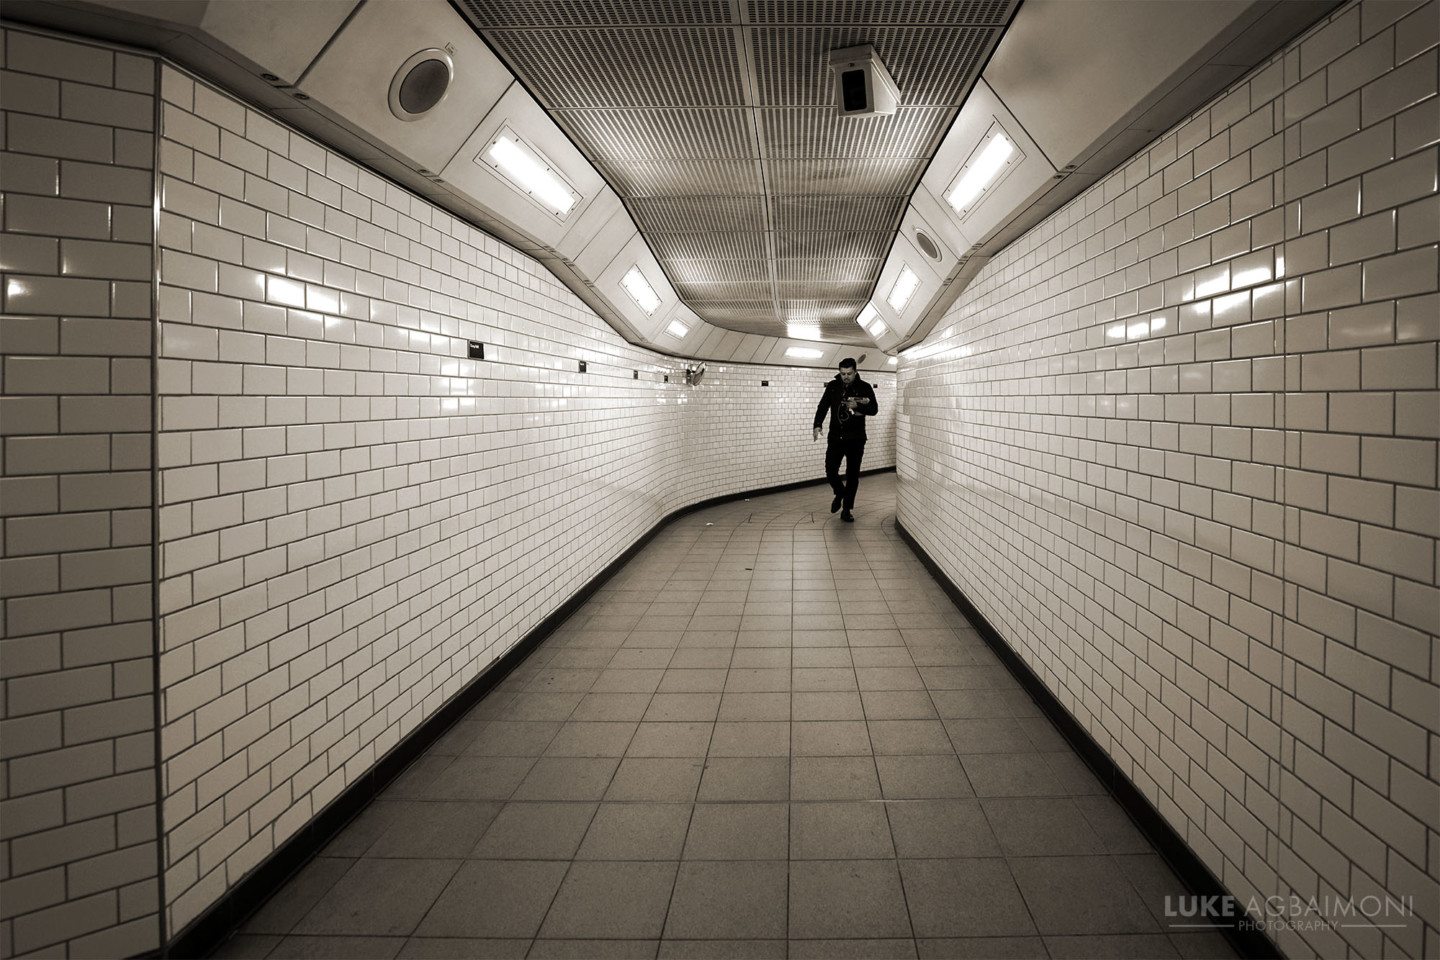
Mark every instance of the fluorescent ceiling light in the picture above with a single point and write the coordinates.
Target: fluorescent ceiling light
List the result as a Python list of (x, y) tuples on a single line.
[(894, 361), (903, 290), (803, 353), (802, 331), (677, 329), (867, 316), (981, 171), (640, 290), (878, 328), (533, 174)]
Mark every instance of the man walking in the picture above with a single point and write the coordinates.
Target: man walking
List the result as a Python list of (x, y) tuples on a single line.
[(849, 400)]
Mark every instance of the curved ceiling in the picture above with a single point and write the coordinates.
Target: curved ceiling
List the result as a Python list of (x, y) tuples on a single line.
[(715, 123)]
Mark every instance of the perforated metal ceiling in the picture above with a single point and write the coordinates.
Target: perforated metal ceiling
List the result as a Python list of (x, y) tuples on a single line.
[(714, 122)]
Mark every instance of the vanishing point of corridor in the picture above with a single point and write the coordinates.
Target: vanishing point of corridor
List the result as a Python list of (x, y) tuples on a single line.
[(770, 734)]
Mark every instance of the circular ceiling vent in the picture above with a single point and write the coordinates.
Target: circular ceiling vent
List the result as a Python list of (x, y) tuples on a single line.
[(421, 83), (926, 245)]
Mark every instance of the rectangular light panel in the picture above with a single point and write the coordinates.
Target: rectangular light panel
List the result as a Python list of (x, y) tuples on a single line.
[(981, 172), (677, 329), (803, 353), (531, 173), (903, 290), (640, 290)]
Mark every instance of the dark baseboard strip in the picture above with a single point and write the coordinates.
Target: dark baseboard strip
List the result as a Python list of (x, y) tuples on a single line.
[(1176, 852), (206, 932)]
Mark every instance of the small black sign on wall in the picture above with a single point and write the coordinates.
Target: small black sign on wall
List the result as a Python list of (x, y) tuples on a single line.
[(582, 366), (476, 350), (764, 383), (636, 374)]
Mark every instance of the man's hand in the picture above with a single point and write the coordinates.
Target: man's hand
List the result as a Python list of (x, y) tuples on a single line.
[(815, 435)]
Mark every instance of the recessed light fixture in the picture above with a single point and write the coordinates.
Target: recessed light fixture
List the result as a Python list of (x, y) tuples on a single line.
[(903, 289), (894, 361), (981, 171), (677, 329), (531, 172), (867, 316), (802, 331), (878, 329), (640, 290), (803, 353)]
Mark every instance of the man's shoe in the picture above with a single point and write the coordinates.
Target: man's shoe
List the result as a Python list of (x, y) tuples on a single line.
[(835, 504), (847, 517)]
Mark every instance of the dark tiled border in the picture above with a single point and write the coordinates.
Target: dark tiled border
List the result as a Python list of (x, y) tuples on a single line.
[(206, 932), (1175, 851)]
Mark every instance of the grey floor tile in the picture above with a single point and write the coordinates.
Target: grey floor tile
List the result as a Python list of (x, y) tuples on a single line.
[(988, 735), (1044, 734), (611, 900), (846, 899), (415, 781), (757, 680), (641, 658), (1154, 881), (701, 658), (964, 898), (925, 829), (970, 704), (834, 778), (720, 949), (898, 705), (338, 948), (889, 678), (823, 679), (830, 738), (463, 948), (499, 899), (828, 706), (761, 658), (910, 738), (751, 739), (857, 949), (254, 946), (454, 741), (678, 707), (381, 898), (1011, 775), (1041, 827), (815, 657), (1080, 895), (505, 738), (1072, 774), (562, 680), (839, 831), (693, 681), (302, 891), (612, 707), (636, 831), (742, 707), (656, 778), (595, 949), (746, 778), (434, 829), (738, 831), (1117, 832), (535, 831), (627, 681), (531, 705), (1135, 946), (982, 948), (674, 739), (922, 778), (1203, 945), (740, 900), (567, 778)]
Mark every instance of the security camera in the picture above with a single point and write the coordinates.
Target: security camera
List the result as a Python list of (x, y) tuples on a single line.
[(863, 87)]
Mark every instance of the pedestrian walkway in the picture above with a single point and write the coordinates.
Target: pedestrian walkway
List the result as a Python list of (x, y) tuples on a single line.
[(770, 735)]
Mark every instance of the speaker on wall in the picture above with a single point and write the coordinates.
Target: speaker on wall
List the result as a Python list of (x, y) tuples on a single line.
[(421, 83)]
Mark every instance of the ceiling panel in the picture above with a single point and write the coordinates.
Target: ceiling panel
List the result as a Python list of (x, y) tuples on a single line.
[(691, 214), (791, 132), (684, 134), (661, 178), (709, 246), (833, 245), (805, 214), (699, 292), (490, 14), (845, 176), (826, 270), (663, 67), (712, 271), (992, 13)]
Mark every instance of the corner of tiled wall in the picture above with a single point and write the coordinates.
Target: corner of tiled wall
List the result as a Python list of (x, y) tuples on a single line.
[(1178, 444), (77, 781)]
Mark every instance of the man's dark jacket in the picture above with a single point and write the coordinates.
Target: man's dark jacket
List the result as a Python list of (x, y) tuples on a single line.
[(843, 424)]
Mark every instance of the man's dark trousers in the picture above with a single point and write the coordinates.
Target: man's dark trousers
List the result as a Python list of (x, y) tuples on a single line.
[(852, 449)]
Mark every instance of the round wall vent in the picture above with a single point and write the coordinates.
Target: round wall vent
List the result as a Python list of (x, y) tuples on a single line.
[(926, 245), (421, 83)]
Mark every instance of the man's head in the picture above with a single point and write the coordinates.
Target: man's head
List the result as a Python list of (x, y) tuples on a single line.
[(848, 371)]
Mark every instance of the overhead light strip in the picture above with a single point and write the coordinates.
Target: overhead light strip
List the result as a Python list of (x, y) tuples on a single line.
[(803, 353), (531, 172), (903, 289), (981, 171), (640, 290), (677, 330)]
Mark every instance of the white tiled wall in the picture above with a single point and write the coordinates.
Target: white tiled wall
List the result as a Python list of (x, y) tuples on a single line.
[(1178, 443), (355, 520), (77, 781)]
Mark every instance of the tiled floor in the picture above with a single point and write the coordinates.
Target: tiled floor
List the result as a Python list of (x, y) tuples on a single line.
[(771, 734)]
